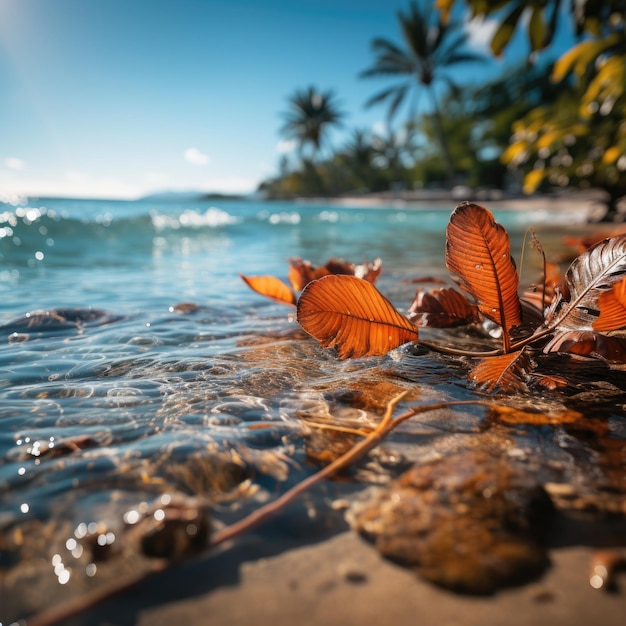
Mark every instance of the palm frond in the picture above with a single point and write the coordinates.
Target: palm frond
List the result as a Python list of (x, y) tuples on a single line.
[(414, 27), (397, 101), (465, 57), (381, 96), (384, 45)]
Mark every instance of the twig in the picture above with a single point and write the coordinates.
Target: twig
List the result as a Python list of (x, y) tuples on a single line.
[(76, 606), (272, 508)]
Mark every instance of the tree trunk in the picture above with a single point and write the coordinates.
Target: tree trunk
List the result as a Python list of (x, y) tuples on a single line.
[(443, 143)]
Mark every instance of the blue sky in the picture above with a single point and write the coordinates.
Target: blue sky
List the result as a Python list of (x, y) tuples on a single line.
[(119, 98)]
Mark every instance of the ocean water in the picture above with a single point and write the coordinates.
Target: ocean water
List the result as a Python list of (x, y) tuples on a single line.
[(130, 348)]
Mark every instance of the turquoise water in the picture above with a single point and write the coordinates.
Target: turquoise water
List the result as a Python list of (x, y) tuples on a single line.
[(108, 388)]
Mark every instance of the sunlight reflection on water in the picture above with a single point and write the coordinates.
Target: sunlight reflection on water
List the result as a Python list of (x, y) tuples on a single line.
[(170, 376)]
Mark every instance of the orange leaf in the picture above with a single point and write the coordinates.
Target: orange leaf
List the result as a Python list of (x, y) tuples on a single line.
[(478, 252), (301, 273), (352, 315), (442, 308), (588, 343), (505, 372), (589, 276), (369, 271), (271, 287), (612, 306), (551, 381)]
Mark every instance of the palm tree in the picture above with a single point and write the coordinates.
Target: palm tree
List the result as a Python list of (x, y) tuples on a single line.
[(311, 114), (431, 49)]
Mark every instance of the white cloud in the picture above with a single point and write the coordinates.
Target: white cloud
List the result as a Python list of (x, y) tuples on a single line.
[(285, 145), (195, 157), (13, 163)]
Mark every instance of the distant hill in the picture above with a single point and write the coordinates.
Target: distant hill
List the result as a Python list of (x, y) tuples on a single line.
[(178, 196)]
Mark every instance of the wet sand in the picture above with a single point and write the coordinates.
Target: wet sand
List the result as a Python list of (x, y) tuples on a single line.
[(340, 580)]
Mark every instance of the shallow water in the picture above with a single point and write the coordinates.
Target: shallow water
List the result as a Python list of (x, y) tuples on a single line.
[(113, 394)]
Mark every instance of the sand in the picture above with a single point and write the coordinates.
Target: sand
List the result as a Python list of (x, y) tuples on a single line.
[(341, 580)]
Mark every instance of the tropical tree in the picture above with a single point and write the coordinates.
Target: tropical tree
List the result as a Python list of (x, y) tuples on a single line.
[(310, 116), (431, 48), (354, 161), (580, 138)]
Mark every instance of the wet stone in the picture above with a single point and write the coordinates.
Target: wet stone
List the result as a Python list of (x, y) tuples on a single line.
[(471, 522), (179, 529)]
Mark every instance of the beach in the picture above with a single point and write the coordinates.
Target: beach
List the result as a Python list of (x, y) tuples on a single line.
[(340, 580), (159, 373), (578, 202)]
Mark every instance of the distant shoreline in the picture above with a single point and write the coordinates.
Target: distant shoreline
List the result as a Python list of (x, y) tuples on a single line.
[(586, 204), (577, 202)]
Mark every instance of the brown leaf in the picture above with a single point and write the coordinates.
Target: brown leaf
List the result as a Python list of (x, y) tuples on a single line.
[(478, 252), (587, 241), (369, 271), (590, 275), (271, 287), (301, 273), (612, 308), (352, 315), (442, 308), (589, 343), (505, 372), (551, 381)]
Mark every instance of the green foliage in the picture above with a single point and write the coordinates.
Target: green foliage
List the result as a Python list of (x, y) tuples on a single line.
[(579, 138), (559, 124), (365, 163), (430, 48)]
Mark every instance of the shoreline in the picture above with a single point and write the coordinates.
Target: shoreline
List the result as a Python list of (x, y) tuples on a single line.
[(588, 203)]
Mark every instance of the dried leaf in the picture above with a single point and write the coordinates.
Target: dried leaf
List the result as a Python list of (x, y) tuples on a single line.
[(594, 272), (512, 415), (589, 343), (271, 287), (551, 381), (585, 242), (478, 252), (612, 308), (301, 273), (442, 308), (369, 271), (352, 315), (505, 372)]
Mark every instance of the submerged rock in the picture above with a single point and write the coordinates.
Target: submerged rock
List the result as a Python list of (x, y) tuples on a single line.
[(471, 522)]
